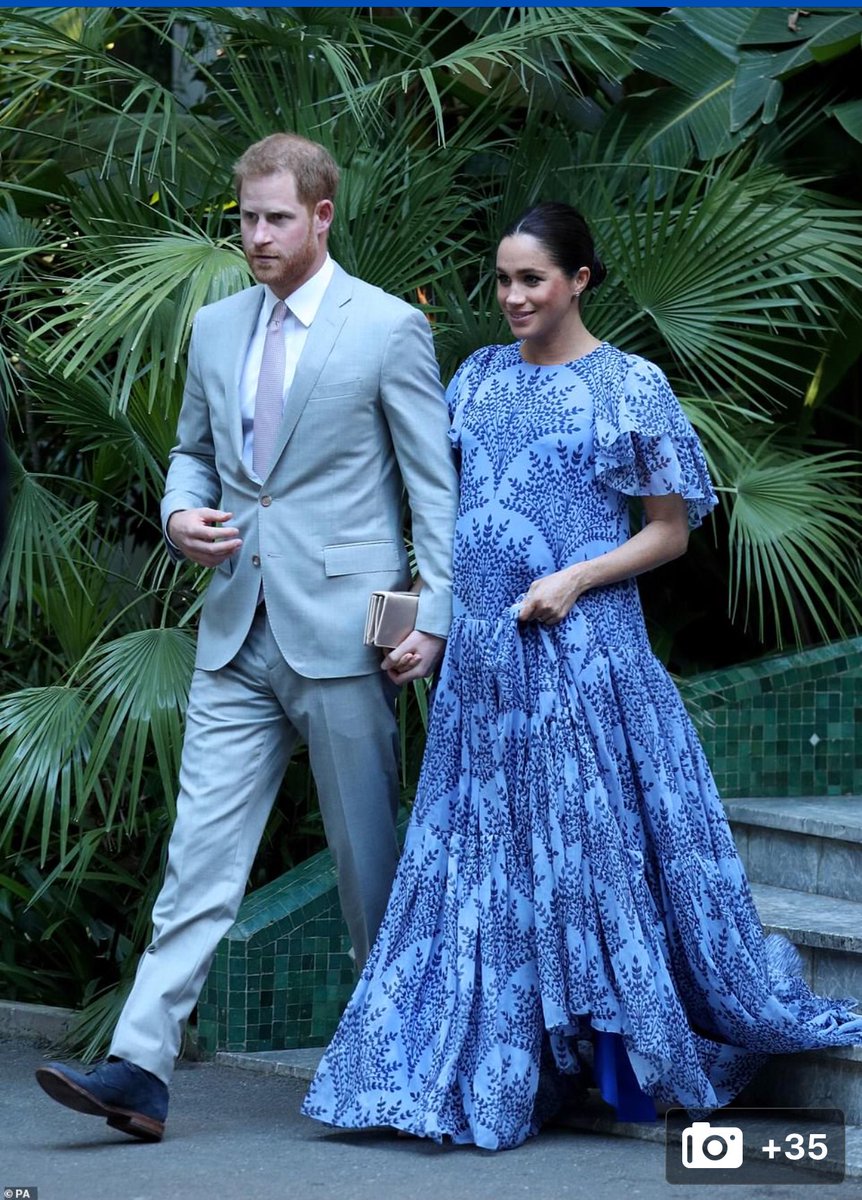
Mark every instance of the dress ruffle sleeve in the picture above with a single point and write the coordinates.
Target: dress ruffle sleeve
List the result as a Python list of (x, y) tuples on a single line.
[(645, 445)]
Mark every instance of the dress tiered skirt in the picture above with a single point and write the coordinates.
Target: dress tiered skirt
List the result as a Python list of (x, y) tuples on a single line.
[(569, 910)]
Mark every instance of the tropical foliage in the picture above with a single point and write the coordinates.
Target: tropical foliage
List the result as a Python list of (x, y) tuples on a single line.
[(714, 151)]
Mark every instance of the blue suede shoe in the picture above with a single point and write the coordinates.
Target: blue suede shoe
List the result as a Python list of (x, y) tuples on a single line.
[(128, 1097)]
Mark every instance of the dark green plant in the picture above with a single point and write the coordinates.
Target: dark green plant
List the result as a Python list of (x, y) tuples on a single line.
[(689, 140)]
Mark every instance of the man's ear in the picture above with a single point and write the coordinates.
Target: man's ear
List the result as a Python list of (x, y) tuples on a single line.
[(324, 211)]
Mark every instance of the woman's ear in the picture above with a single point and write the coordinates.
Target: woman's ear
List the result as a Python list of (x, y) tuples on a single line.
[(580, 281)]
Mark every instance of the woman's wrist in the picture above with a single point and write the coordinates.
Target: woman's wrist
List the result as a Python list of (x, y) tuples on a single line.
[(580, 577)]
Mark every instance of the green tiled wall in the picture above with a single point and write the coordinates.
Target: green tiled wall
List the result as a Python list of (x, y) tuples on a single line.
[(787, 725), (282, 975)]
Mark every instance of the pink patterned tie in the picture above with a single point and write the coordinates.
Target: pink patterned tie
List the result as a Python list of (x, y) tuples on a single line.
[(269, 400)]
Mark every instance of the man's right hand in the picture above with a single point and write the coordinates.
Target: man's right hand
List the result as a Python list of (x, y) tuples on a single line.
[(201, 535)]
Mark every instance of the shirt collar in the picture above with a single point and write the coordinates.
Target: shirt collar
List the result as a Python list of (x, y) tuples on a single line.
[(307, 298)]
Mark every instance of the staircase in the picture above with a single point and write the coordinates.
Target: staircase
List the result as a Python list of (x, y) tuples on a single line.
[(804, 861)]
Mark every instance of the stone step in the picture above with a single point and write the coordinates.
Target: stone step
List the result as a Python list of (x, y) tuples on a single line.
[(821, 922), (828, 934), (826, 931), (813, 1079), (809, 843)]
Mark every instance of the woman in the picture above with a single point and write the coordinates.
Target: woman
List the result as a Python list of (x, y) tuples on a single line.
[(569, 904)]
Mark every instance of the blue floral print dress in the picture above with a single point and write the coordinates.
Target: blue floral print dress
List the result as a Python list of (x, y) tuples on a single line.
[(569, 906)]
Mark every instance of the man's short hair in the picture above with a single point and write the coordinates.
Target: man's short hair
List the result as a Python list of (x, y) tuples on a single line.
[(312, 166)]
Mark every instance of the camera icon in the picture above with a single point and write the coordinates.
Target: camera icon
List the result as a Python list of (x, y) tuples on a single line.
[(705, 1145)]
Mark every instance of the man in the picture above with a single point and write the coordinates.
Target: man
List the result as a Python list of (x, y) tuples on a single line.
[(299, 429)]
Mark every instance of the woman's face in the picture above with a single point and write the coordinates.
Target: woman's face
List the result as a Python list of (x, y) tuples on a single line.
[(535, 294)]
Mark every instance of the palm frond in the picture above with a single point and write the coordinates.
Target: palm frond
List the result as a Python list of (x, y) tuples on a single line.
[(794, 538), (82, 408), (502, 54), (91, 1030), (140, 306), (139, 689), (44, 542), (725, 427), (66, 52), (42, 766), (20, 239), (400, 224), (723, 267)]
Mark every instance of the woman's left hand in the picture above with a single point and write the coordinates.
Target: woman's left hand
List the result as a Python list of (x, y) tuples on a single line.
[(414, 658), (663, 537), (551, 597)]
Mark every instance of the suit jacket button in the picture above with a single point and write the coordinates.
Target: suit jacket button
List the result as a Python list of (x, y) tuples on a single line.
[(266, 501), (255, 560)]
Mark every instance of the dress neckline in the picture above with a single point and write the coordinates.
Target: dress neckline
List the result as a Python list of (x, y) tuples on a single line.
[(569, 362)]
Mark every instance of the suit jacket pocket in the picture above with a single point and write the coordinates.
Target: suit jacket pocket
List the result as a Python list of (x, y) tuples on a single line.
[(343, 390), (358, 558)]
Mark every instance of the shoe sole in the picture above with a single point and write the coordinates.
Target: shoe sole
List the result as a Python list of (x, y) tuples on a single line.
[(64, 1091)]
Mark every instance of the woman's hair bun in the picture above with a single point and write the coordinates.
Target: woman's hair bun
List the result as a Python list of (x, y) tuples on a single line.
[(597, 272)]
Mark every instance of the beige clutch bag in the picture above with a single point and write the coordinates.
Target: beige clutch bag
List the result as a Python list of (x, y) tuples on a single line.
[(391, 616)]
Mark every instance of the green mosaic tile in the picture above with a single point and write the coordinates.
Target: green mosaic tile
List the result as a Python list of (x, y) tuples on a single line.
[(761, 744), (282, 975)]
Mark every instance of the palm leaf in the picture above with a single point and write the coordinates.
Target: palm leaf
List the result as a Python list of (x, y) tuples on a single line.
[(42, 766), (466, 321), (90, 863), (793, 530), (502, 51), (722, 266), (265, 54), (363, 64), (399, 223), (20, 238), (91, 1030), (63, 51), (43, 542), (139, 688), (82, 408), (726, 66), (140, 306), (725, 428)]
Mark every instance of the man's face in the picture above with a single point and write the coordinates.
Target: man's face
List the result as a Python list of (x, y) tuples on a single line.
[(283, 240)]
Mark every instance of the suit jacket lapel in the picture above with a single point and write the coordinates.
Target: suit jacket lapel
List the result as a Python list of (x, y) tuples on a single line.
[(319, 343), (241, 331)]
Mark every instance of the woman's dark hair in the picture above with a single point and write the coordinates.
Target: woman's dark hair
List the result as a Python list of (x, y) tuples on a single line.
[(565, 236)]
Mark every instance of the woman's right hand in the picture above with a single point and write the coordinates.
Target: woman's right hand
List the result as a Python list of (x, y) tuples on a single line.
[(551, 597)]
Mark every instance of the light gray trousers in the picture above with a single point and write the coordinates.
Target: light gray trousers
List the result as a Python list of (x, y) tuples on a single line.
[(242, 725)]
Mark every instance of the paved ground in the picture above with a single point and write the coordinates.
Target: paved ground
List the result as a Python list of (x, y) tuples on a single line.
[(237, 1135)]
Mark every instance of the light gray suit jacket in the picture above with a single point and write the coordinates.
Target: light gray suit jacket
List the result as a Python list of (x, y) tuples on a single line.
[(364, 418)]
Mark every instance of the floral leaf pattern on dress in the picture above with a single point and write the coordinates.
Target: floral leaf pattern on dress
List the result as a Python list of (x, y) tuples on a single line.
[(569, 886)]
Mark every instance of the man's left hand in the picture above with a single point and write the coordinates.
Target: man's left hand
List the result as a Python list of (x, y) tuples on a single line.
[(414, 658)]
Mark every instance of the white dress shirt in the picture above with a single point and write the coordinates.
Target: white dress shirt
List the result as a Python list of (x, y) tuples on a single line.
[(302, 308)]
